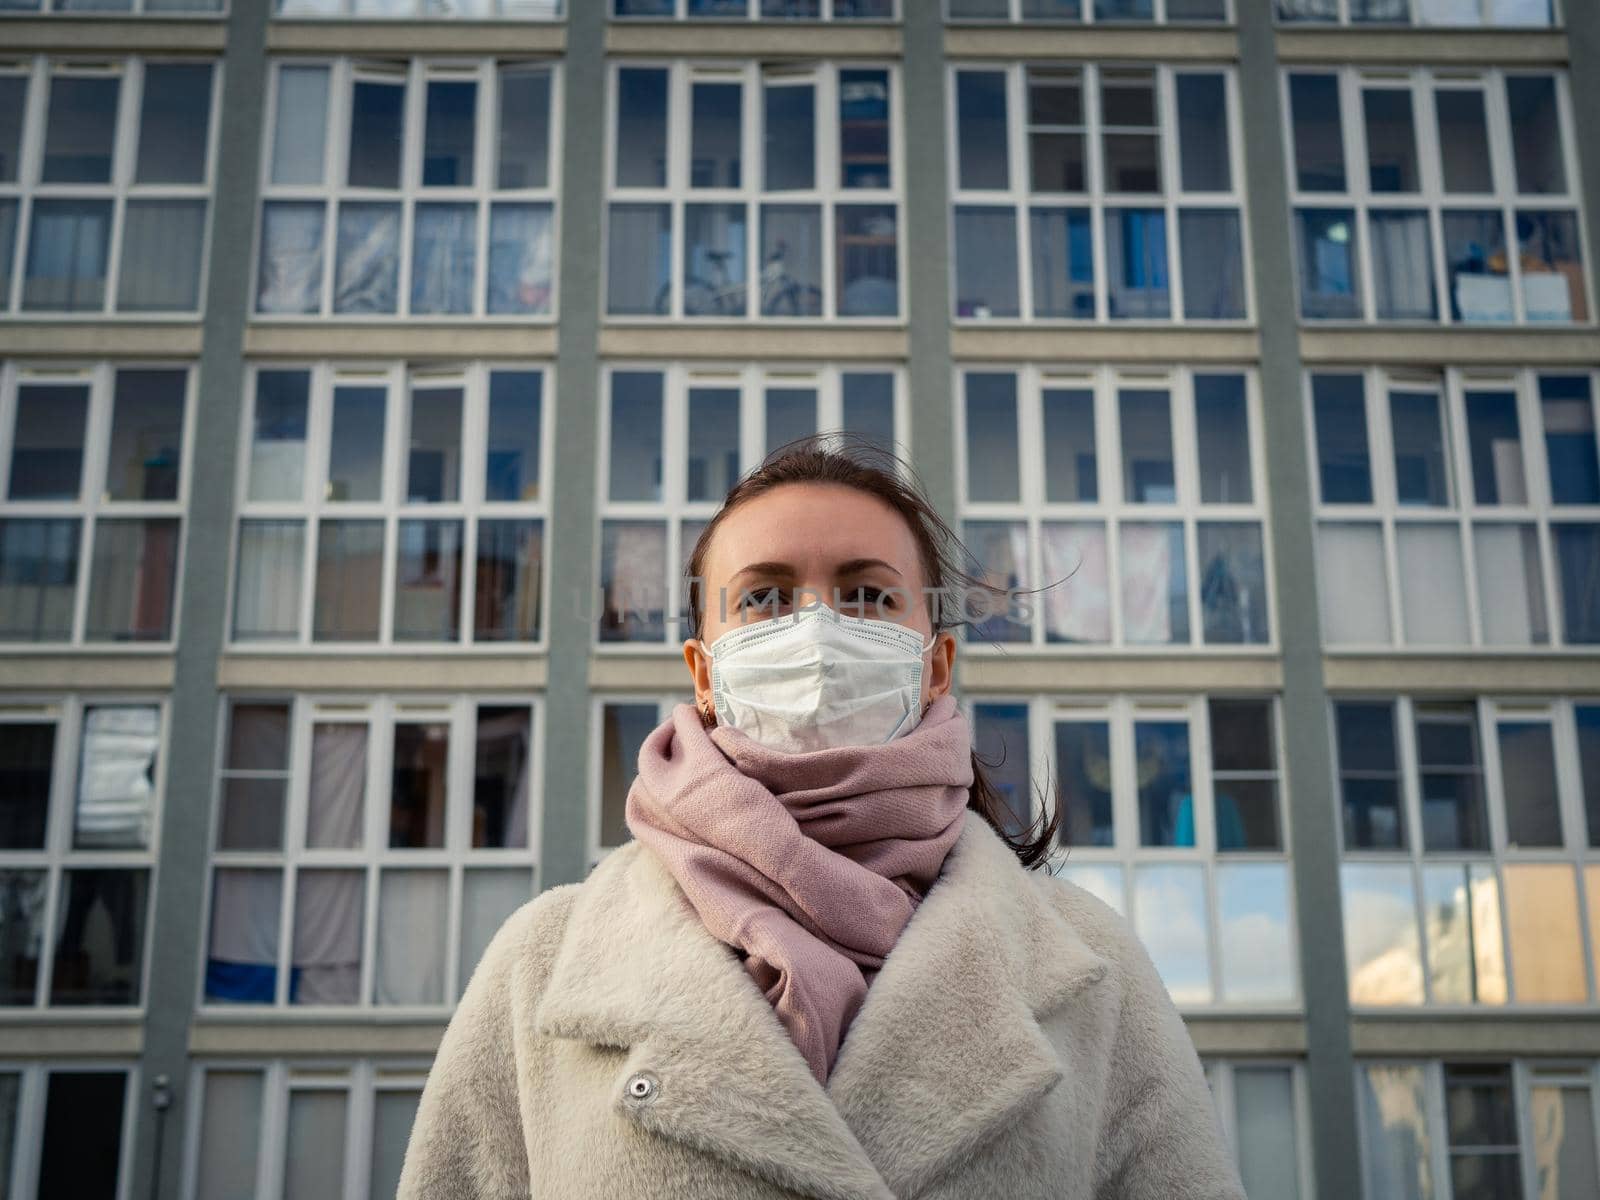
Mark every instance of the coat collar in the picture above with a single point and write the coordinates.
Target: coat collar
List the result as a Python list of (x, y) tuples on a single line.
[(983, 957)]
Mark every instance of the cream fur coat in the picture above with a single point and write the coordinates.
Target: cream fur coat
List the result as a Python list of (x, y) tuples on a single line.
[(1016, 1044)]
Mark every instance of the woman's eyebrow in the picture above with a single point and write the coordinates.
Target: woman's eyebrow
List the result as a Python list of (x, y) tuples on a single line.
[(855, 566), (772, 570)]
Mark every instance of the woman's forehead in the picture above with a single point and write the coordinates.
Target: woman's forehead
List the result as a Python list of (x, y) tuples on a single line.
[(812, 527)]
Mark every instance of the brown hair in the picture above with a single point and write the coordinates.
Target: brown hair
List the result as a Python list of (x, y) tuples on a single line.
[(855, 463)]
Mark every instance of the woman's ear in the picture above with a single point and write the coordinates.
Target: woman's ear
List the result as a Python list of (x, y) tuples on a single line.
[(941, 675), (698, 660)]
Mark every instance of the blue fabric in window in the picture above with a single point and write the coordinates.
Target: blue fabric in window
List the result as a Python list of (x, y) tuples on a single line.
[(244, 983)]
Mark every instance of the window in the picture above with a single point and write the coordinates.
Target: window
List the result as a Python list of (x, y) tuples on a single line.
[(105, 182), (1459, 1130), (1435, 196), (92, 491), (783, 180), (678, 438), (760, 10), (392, 507), (66, 1127), (1421, 12), (1465, 858), (1263, 1109), (1095, 193), (83, 781), (173, 8), (1134, 501), (621, 723), (322, 896), (1457, 510), (415, 10), (1172, 813), (1096, 11), (335, 1128), (437, 206)]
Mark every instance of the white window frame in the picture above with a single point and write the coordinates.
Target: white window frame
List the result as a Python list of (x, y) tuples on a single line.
[(1112, 509), (93, 505), (1487, 712), (379, 714), (27, 1152), (66, 713), (1220, 1076), (753, 13), (673, 509), (1120, 713), (345, 10), (1526, 1074), (360, 1080), (594, 849), (1087, 16), (1415, 16), (1019, 199), (827, 196), (1423, 84), (29, 188), (333, 190), (1463, 512), (470, 508)]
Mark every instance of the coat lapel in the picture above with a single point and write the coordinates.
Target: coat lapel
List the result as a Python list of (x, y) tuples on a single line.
[(945, 1051)]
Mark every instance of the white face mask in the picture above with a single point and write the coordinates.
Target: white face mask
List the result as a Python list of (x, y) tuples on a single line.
[(815, 679)]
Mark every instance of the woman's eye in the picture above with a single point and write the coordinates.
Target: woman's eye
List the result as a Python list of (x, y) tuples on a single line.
[(762, 597), (864, 596)]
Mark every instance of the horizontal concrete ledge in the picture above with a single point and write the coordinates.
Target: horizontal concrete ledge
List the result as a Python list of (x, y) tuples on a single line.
[(830, 342), (27, 671), (60, 1038), (98, 339), (1098, 344), (653, 671), (1081, 42), (1165, 673), (802, 40), (375, 672), (1523, 346), (1412, 46), (364, 1036), (1523, 674), (417, 37), (399, 340), (1230, 1035), (1563, 1034), (91, 35)]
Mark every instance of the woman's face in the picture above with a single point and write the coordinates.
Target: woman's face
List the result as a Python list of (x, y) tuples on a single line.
[(801, 543)]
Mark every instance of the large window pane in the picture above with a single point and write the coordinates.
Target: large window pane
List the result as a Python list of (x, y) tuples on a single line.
[(1578, 567), (1536, 134), (509, 571), (1269, 1163), (1511, 601), (1450, 778), (314, 1166), (300, 125), (1552, 266), (146, 435), (419, 785), (47, 442), (1463, 140), (449, 133), (1213, 265), (349, 581), (1001, 550), (1344, 470), (1063, 262), (1480, 1119), (1402, 266), (289, 278), (624, 728), (444, 252), (377, 115), (161, 252), (713, 464), (867, 245), (1071, 473), (511, 467), (981, 129), (1253, 933), (81, 1151), (1318, 132), (427, 588), (366, 278), (1383, 954), (1154, 584), (524, 150), (864, 129), (986, 262), (991, 436), (1495, 440), (1546, 938), (641, 127), (715, 132), (174, 122), (633, 581), (1222, 433), (1461, 919), (1528, 781), (13, 96), (1369, 777), (500, 779), (1130, 133), (1233, 582), (639, 259), (790, 133), (1330, 278), (1569, 439), (1136, 258), (1166, 796), (27, 750), (1244, 775), (81, 130), (715, 276), (1169, 912), (100, 935), (1146, 432), (488, 897), (232, 1112), (433, 459), (791, 260), (636, 435), (115, 805), (1083, 774), (1202, 102), (131, 580), (1057, 157), (869, 406), (1077, 599), (38, 578), (410, 958), (242, 945), (1433, 597), (1397, 1156), (355, 453), (68, 246), (1391, 140), (1000, 740), (521, 248), (1420, 466), (252, 806), (1475, 256)]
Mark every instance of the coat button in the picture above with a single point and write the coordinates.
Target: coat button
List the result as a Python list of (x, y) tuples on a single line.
[(643, 1086)]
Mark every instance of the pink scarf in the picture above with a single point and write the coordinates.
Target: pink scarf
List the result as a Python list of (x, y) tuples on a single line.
[(810, 864)]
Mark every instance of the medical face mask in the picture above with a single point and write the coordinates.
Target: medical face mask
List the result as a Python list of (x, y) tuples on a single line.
[(815, 679)]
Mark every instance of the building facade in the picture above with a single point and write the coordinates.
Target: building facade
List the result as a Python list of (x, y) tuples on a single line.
[(340, 534)]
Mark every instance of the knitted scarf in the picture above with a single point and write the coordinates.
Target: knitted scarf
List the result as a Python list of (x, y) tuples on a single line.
[(808, 864)]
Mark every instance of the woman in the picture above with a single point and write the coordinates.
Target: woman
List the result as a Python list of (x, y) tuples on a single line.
[(822, 967)]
